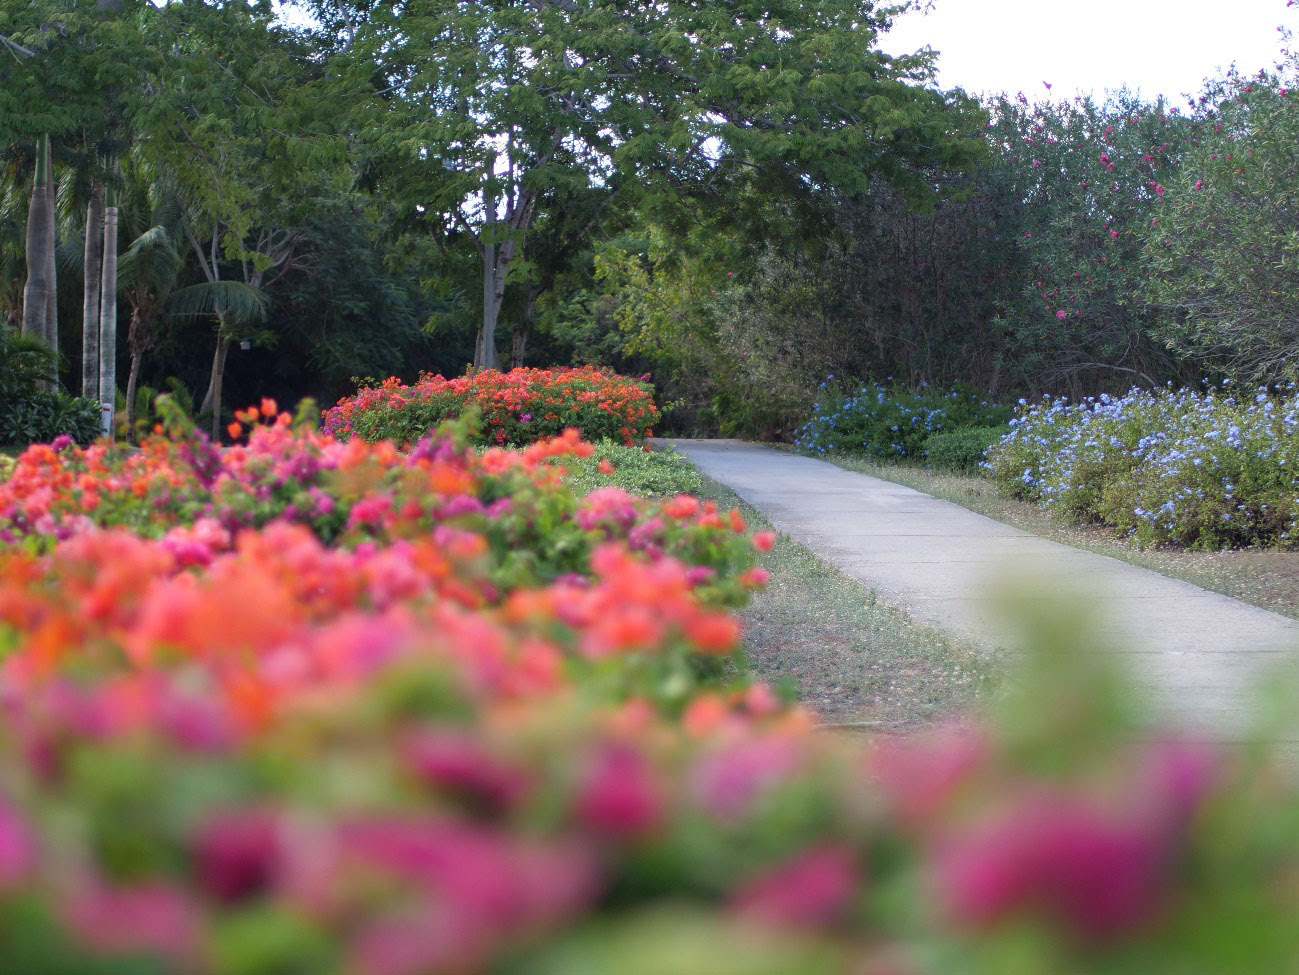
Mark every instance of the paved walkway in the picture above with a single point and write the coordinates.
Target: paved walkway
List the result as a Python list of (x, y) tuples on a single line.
[(1197, 654)]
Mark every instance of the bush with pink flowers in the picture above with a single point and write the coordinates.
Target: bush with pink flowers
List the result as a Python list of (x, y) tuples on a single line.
[(410, 740)]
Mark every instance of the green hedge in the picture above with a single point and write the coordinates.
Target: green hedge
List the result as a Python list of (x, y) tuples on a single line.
[(962, 451)]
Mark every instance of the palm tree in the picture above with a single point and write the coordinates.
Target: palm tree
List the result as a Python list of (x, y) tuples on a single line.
[(39, 303), (108, 306), (149, 271)]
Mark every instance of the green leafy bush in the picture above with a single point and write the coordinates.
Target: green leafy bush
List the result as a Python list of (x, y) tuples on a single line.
[(891, 422), (30, 414), (46, 414), (650, 474), (1200, 470), (962, 451)]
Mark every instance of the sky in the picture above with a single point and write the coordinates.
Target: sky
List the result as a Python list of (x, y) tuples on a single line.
[(1089, 46)]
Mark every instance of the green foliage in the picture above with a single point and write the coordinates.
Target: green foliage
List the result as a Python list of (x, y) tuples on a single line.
[(47, 414), (29, 413), (962, 450), (1199, 470), (25, 363), (648, 473), (890, 422), (1224, 255)]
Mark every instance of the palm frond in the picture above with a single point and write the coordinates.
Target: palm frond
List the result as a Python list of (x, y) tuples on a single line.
[(152, 262), (234, 302), (70, 255)]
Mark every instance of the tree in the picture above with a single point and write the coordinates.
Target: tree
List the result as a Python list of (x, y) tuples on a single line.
[(490, 110), (108, 308), (238, 118), (93, 261), (40, 317), (1224, 254)]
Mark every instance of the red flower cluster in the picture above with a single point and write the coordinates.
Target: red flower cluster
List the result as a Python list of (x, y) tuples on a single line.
[(516, 407)]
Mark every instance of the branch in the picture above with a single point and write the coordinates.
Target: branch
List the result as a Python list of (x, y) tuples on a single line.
[(16, 49)]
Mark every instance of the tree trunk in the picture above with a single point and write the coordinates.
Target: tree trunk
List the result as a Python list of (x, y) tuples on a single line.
[(90, 294), (131, 380), (493, 296), (519, 335), (108, 309), (40, 230), (518, 342), (212, 400), (51, 269)]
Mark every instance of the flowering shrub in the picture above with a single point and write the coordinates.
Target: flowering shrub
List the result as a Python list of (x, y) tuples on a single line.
[(272, 765), (1222, 254), (1202, 470), (890, 422), (516, 407), (280, 738), (182, 489)]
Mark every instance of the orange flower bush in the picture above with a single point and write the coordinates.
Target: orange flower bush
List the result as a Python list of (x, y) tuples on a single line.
[(516, 407)]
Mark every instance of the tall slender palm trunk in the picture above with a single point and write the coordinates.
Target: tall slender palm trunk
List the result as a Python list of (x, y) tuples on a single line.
[(93, 268), (51, 268), (40, 250), (108, 309)]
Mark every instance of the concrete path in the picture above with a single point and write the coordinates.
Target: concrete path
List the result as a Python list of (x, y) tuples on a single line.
[(1197, 654)]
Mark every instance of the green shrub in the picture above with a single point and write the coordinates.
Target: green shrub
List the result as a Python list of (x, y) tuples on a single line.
[(650, 474), (962, 451), (30, 414), (891, 422), (47, 414)]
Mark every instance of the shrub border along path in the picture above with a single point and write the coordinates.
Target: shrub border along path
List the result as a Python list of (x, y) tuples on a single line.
[(1198, 655)]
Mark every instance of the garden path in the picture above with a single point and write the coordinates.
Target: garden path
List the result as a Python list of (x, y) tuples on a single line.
[(1198, 655)]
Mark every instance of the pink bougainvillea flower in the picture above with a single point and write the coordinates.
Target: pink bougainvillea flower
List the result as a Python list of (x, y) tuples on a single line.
[(1099, 872), (155, 918), (812, 889), (618, 795), (237, 854)]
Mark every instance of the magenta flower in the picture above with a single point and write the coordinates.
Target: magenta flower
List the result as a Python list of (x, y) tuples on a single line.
[(17, 847), (1062, 314), (813, 889), (155, 918), (453, 761), (237, 854), (619, 796), (1091, 870)]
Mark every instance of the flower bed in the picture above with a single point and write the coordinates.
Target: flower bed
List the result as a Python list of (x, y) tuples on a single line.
[(890, 422), (409, 729), (517, 407), (1202, 470)]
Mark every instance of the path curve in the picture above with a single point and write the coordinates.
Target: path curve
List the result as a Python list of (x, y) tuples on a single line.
[(1198, 655)]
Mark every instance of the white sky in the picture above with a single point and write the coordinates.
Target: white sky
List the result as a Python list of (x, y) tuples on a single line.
[(1089, 46)]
